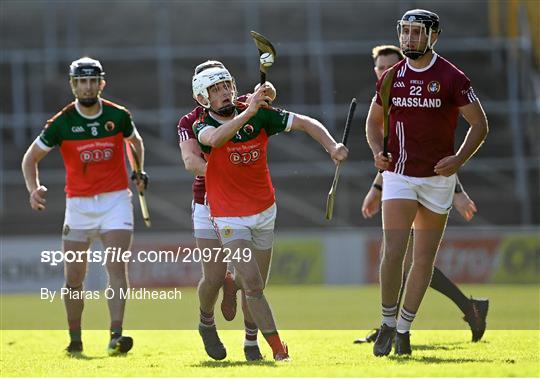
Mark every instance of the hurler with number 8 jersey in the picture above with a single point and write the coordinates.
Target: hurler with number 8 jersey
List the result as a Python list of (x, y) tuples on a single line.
[(90, 133)]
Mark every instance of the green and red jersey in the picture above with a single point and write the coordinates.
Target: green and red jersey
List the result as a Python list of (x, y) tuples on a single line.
[(92, 148), (238, 180)]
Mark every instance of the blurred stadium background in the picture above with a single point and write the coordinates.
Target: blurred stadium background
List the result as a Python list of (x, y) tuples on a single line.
[(149, 50)]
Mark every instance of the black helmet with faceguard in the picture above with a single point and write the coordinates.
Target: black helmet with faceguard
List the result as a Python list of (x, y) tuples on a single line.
[(429, 25), (86, 68)]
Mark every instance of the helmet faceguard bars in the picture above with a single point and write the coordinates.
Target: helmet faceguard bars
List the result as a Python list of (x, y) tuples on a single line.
[(427, 21), (86, 67)]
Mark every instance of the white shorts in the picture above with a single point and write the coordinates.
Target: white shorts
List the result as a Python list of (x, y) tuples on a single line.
[(258, 228), (88, 216), (435, 192), (202, 227)]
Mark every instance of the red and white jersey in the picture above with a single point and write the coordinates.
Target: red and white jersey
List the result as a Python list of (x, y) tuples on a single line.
[(185, 132), (92, 147), (238, 180), (424, 112)]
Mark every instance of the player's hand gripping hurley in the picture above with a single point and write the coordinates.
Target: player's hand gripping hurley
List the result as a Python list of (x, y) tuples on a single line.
[(267, 54), (333, 189), (136, 165)]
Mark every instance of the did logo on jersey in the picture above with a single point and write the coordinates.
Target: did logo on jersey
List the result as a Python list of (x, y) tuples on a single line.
[(399, 85), (109, 126), (245, 157), (434, 87)]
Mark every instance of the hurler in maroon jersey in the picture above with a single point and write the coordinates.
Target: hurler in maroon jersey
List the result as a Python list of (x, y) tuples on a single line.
[(426, 97)]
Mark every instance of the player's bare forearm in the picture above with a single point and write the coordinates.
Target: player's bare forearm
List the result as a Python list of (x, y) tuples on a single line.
[(449, 165), (378, 179), (372, 201), (319, 133), (30, 172), (191, 156), (374, 128), (475, 116), (138, 144), (29, 166), (315, 130), (475, 137), (31, 176), (217, 137)]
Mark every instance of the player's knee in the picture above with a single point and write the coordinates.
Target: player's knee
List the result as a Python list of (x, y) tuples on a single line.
[(392, 257), (212, 281), (253, 282), (75, 278), (254, 294), (244, 302), (423, 264), (116, 270)]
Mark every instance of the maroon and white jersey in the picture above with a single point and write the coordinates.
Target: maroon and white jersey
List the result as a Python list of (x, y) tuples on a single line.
[(424, 114), (185, 132)]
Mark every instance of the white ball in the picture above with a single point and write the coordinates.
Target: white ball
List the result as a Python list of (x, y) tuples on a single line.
[(267, 59)]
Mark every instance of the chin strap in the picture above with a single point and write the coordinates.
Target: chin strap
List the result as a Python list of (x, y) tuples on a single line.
[(226, 111), (414, 55), (88, 102)]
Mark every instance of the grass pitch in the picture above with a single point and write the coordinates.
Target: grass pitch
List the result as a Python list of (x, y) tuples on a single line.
[(315, 353)]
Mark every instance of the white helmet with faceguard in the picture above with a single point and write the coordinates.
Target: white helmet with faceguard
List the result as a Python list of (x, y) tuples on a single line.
[(428, 24), (211, 73)]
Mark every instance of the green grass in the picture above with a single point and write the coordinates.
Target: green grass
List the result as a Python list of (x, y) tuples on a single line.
[(315, 353), (321, 308)]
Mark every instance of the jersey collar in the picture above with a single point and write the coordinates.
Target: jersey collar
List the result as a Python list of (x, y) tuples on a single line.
[(77, 107), (433, 59)]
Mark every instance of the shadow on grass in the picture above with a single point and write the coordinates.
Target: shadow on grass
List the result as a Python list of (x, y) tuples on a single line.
[(226, 364), (430, 360), (440, 346), (83, 357)]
